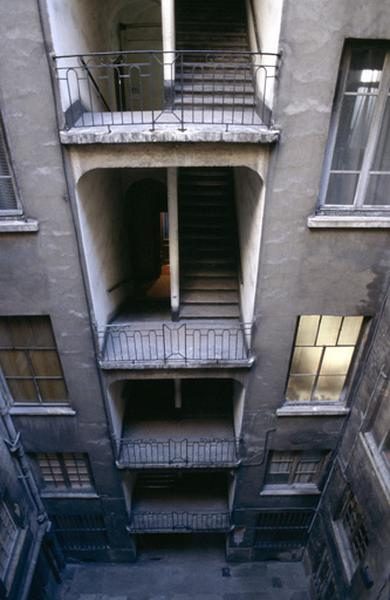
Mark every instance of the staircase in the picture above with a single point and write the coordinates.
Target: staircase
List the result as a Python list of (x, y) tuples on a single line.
[(211, 82), (208, 244)]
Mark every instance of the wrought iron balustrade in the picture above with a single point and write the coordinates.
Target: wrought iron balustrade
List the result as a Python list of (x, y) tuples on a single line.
[(182, 343), (177, 453), (155, 88), (150, 522)]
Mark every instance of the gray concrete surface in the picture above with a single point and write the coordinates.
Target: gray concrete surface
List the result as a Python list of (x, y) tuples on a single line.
[(185, 575)]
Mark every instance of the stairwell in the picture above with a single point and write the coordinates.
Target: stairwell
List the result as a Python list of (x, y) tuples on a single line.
[(208, 244), (221, 80)]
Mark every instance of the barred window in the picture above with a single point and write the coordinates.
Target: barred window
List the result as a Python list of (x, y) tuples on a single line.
[(8, 538), (352, 521), (69, 471), (81, 532), (357, 166), (289, 468), (9, 204), (322, 357), (282, 528), (30, 362)]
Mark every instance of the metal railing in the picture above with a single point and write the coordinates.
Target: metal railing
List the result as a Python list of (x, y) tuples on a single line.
[(181, 343), (178, 453), (179, 521), (155, 88)]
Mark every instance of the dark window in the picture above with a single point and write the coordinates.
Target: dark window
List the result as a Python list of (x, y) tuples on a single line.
[(289, 468), (65, 471), (82, 532), (352, 521), (323, 579), (8, 538), (282, 528), (29, 360)]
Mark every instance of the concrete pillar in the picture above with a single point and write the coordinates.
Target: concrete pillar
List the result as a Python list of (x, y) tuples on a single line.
[(168, 38), (173, 214)]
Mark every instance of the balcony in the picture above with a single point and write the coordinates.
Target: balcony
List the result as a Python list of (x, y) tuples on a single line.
[(143, 95), (148, 344), (185, 504)]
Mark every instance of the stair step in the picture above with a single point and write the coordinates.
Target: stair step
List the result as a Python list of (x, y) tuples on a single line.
[(209, 311), (209, 297), (197, 270), (200, 88), (216, 101), (208, 283)]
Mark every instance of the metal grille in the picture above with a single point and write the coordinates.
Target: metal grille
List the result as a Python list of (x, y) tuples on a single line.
[(177, 453), (82, 532), (352, 520), (162, 343), (179, 521), (167, 88), (8, 538), (8, 201), (283, 528), (324, 581), (69, 470)]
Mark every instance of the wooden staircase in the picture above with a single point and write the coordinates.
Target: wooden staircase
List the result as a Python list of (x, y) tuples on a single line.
[(208, 244)]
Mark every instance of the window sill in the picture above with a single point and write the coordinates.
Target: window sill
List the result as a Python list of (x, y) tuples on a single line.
[(310, 410), (348, 221), (42, 411), (18, 225), (290, 490), (377, 461), (82, 495)]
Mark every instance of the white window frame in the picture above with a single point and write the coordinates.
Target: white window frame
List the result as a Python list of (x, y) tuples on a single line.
[(18, 211), (297, 457), (375, 128)]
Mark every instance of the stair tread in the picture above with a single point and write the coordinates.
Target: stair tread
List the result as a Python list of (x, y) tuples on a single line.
[(209, 296), (211, 283), (217, 311)]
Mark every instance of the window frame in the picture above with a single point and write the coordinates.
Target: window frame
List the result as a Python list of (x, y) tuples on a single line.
[(350, 505), (18, 211), (356, 355), (35, 378), (6, 568), (358, 206), (298, 457), (61, 459)]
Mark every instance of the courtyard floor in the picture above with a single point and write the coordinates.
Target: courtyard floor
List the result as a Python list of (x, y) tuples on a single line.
[(193, 574)]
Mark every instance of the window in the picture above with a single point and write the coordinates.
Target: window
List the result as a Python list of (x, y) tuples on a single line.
[(291, 468), (82, 532), (9, 204), (322, 357), (29, 360), (357, 167), (68, 471), (8, 538), (352, 522), (282, 528)]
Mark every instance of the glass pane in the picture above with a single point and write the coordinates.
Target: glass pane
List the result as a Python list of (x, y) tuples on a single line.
[(52, 390), (329, 388), (329, 330), (307, 330), (277, 478), (5, 334), (306, 360), (350, 331), (21, 331), (300, 387), (352, 132), (341, 188), (22, 390), (45, 362), (365, 69), (42, 332), (378, 191), (337, 360), (14, 362), (382, 154)]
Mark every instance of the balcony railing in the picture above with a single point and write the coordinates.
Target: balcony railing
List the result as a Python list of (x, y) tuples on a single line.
[(164, 89), (182, 522), (125, 346), (177, 453)]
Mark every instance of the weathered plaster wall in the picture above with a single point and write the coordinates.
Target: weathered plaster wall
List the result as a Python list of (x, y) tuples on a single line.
[(249, 198)]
